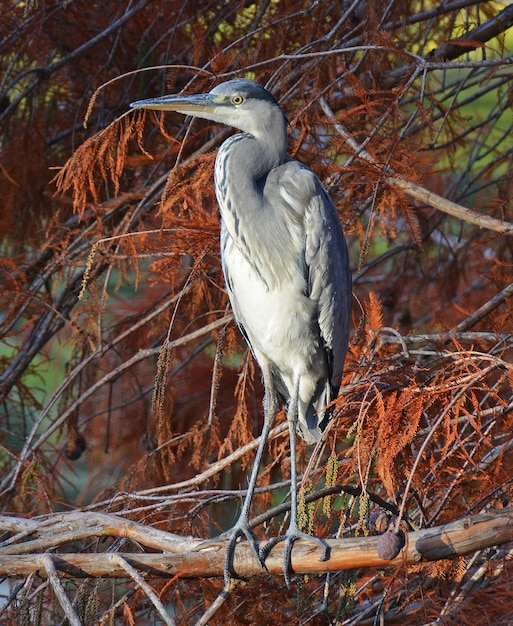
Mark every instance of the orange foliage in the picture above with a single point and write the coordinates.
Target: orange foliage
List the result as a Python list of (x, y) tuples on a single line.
[(124, 384)]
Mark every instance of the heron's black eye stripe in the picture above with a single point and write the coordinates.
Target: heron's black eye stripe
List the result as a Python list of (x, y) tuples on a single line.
[(237, 99)]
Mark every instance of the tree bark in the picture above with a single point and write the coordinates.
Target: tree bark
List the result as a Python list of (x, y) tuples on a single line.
[(194, 558)]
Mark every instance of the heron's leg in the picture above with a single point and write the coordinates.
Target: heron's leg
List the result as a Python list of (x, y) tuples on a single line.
[(242, 527), (293, 532)]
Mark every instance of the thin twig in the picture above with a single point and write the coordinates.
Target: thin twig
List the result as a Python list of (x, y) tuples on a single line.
[(218, 603), (483, 311), (139, 580), (217, 467), (47, 563)]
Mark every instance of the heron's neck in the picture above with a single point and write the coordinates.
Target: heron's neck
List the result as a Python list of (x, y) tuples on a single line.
[(242, 162), (242, 166), (255, 156)]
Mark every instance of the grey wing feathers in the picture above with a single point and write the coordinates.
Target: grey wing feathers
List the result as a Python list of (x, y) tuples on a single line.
[(326, 261), (329, 277)]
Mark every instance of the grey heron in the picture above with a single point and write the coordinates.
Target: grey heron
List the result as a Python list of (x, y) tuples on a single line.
[(287, 274)]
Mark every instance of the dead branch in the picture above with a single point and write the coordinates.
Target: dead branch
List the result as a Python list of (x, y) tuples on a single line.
[(198, 558), (476, 37), (447, 51), (421, 193), (134, 574), (47, 562), (63, 528), (451, 208)]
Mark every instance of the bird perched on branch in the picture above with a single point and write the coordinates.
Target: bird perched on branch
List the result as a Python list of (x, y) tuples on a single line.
[(287, 274)]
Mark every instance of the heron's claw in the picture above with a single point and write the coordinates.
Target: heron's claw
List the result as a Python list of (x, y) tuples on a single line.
[(292, 535), (241, 529)]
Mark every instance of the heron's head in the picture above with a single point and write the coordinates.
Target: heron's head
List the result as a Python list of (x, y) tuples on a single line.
[(240, 103)]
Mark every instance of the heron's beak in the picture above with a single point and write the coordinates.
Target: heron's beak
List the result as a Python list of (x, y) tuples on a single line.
[(188, 105)]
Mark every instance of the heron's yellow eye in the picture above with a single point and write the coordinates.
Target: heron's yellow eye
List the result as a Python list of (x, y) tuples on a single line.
[(237, 99)]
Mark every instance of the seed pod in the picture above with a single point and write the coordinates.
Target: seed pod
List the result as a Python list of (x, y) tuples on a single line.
[(75, 446)]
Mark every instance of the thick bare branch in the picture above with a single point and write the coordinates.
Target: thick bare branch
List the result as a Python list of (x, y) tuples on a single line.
[(206, 558), (74, 526)]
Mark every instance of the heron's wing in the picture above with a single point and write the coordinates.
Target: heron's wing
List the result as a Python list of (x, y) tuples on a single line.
[(325, 258), (329, 277)]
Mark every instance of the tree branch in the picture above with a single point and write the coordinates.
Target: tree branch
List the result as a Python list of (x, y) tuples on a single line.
[(62, 528), (483, 310), (454, 48), (134, 574), (421, 193), (451, 208), (48, 564), (199, 558), (475, 37)]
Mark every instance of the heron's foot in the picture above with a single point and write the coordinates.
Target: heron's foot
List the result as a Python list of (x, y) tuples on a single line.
[(240, 530), (289, 538)]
